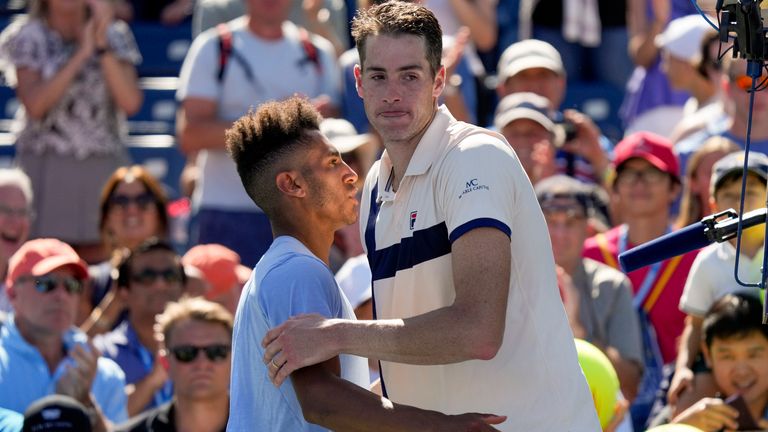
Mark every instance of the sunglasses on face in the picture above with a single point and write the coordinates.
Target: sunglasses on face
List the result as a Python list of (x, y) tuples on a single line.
[(48, 283), (142, 201), (188, 353), (148, 276), (744, 82)]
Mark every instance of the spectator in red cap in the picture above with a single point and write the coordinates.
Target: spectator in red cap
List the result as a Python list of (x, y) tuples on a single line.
[(646, 183), (41, 352), (221, 269)]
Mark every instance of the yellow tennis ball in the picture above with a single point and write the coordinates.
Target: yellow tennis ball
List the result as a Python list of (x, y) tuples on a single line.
[(601, 378), (674, 428)]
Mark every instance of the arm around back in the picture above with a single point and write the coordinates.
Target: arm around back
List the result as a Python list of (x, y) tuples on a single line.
[(353, 408)]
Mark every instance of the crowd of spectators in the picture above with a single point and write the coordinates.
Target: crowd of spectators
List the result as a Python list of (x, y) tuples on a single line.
[(133, 331)]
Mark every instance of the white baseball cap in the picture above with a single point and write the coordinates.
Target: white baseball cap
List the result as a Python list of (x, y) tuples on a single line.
[(354, 279), (529, 54), (343, 134), (683, 36)]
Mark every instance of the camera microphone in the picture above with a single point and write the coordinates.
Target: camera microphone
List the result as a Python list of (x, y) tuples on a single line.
[(715, 228)]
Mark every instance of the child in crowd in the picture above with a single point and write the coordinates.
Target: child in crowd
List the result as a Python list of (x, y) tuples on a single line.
[(735, 346), (712, 274)]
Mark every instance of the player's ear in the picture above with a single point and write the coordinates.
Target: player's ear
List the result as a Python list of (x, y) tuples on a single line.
[(290, 183), (358, 72), (439, 82)]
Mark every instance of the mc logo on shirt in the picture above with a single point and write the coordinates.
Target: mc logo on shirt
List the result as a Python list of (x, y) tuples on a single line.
[(471, 186)]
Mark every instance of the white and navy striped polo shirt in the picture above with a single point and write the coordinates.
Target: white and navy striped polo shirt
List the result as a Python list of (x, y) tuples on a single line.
[(462, 177)]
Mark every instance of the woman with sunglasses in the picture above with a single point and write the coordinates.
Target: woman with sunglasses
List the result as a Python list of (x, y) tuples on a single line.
[(133, 209), (737, 90), (73, 68)]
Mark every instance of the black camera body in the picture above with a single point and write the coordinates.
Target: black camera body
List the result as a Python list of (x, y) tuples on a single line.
[(565, 131), (744, 19)]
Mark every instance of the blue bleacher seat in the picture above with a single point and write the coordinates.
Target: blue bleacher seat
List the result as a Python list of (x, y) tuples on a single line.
[(156, 116), (600, 101), (7, 150), (158, 112), (163, 48), (158, 153), (8, 106), (11, 7)]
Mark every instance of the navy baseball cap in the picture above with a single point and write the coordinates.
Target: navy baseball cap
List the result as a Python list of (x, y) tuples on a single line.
[(732, 163)]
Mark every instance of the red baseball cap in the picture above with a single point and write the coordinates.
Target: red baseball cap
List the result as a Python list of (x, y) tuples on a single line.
[(650, 147), (42, 256), (220, 266)]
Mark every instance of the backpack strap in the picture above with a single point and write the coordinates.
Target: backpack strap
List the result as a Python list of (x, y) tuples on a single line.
[(225, 48), (310, 49)]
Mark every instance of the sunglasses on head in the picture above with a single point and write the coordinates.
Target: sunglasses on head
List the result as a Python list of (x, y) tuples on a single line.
[(188, 353), (148, 276), (142, 200), (47, 283)]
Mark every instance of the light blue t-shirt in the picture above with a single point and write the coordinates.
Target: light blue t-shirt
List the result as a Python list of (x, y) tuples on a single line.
[(288, 280), (25, 377)]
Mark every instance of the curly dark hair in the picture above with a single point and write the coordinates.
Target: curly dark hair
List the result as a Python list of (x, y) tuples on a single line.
[(259, 141), (398, 18)]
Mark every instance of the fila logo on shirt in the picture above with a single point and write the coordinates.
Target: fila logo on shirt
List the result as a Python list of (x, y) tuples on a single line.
[(413, 219)]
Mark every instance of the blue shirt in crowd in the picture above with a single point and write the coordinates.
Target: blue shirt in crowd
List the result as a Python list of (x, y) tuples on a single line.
[(123, 346), (25, 377)]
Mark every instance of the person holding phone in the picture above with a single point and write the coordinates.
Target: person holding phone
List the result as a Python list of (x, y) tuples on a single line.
[(536, 66), (735, 346)]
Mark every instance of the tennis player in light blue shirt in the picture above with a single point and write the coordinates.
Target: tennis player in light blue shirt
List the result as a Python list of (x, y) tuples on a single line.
[(288, 280)]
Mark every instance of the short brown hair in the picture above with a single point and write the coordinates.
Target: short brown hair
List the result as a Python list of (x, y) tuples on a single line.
[(399, 18), (192, 308), (259, 141)]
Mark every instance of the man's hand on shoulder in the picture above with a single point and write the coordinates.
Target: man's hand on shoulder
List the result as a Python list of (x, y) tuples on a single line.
[(301, 341)]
